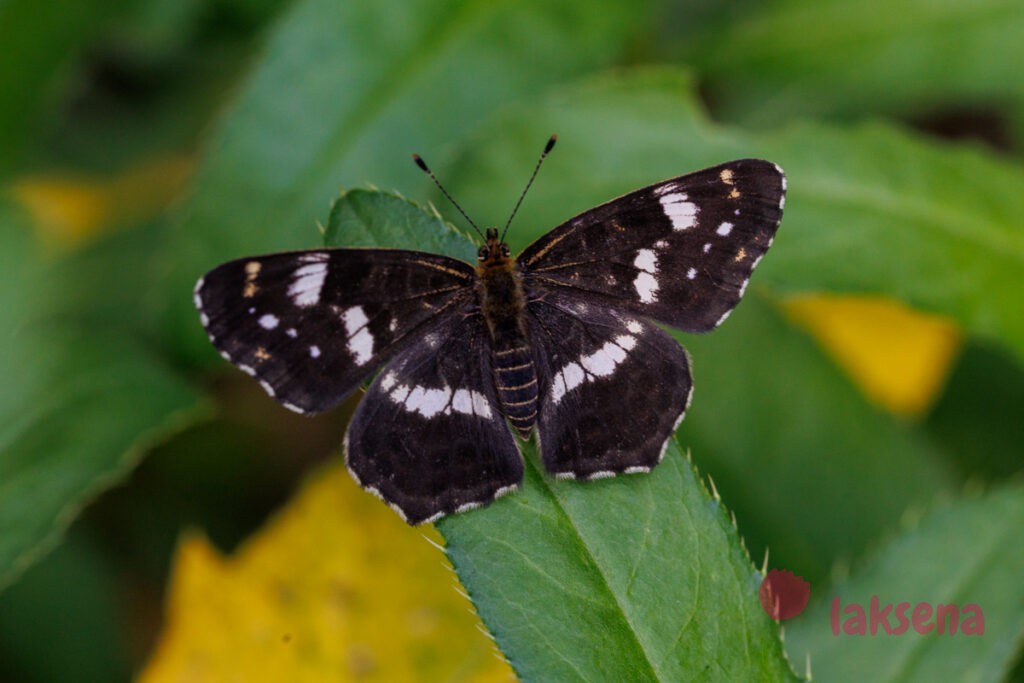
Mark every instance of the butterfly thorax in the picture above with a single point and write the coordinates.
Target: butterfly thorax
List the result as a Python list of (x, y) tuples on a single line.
[(502, 303)]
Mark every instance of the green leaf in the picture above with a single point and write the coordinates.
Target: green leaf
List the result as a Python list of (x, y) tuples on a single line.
[(876, 210), (368, 218), (39, 39), (793, 59), (812, 471), (70, 598), (637, 578), (345, 93), (977, 418), (81, 400), (968, 552)]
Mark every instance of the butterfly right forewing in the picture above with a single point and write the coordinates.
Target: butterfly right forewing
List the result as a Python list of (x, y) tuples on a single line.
[(679, 252)]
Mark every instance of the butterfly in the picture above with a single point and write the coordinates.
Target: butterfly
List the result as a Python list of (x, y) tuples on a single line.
[(560, 342)]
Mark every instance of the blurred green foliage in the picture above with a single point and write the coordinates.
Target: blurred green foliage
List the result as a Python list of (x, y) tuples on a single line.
[(901, 129)]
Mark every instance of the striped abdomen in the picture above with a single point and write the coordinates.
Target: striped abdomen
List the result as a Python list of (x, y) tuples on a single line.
[(516, 381)]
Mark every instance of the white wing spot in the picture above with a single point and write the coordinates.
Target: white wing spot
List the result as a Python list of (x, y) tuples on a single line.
[(470, 402), (707, 247), (646, 284), (647, 260), (360, 341), (268, 321), (196, 298), (266, 387), (400, 393), (428, 402), (601, 363), (691, 274), (388, 381), (681, 212), (724, 229), (308, 280), (481, 407), (573, 376), (634, 326), (661, 244), (557, 388), (462, 401), (646, 287), (291, 332), (314, 351)]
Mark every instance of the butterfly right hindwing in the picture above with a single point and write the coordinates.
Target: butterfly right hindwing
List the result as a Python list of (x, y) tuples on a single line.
[(614, 387)]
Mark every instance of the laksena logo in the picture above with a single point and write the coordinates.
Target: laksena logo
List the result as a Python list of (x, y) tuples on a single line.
[(784, 595), (923, 618)]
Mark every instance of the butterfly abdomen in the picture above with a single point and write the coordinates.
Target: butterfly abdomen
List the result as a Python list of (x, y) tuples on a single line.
[(515, 377)]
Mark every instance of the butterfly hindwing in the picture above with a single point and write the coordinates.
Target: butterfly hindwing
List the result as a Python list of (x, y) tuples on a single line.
[(311, 325), (680, 251), (613, 386), (429, 437)]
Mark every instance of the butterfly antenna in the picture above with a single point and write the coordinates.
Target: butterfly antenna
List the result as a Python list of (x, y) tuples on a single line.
[(547, 148), (423, 167)]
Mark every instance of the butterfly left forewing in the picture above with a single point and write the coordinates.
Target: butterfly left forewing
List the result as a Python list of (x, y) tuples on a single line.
[(613, 388), (311, 325), (679, 252)]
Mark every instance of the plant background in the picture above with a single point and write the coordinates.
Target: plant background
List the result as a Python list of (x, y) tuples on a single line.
[(859, 413)]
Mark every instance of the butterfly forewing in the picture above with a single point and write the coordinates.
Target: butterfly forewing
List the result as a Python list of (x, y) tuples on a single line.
[(429, 436), (680, 252), (311, 325), (614, 388)]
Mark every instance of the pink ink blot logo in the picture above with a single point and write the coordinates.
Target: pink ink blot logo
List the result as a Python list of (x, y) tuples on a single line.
[(783, 594)]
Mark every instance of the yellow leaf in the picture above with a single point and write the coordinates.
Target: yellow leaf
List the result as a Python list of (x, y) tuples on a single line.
[(900, 358), (72, 209), (337, 588)]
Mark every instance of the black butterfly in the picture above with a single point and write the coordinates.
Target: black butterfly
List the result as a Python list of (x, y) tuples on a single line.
[(559, 341)]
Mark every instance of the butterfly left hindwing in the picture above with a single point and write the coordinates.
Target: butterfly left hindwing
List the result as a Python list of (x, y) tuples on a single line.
[(429, 436)]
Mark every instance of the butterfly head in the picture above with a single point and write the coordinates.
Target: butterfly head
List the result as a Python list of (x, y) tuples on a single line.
[(494, 253)]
